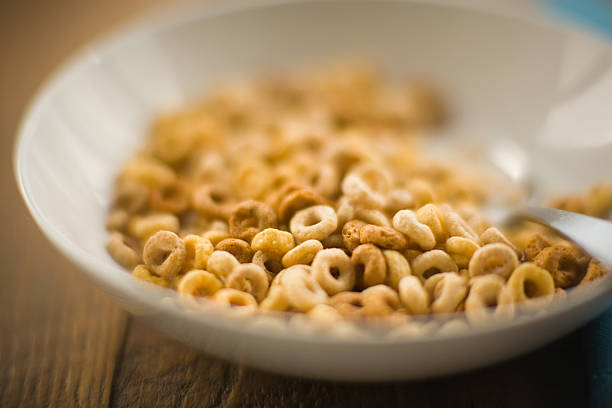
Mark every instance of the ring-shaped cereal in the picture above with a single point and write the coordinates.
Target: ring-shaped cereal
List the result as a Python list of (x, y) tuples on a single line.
[(493, 235), (131, 196), (595, 270), (431, 263), (369, 264), (372, 216), (304, 253), (199, 283), (397, 268), (173, 197), (197, 252), (236, 298), (430, 215), (488, 299), (461, 250), (358, 190), (535, 245), (413, 295), (144, 273), (221, 263), (316, 222), (380, 300), (143, 226), (250, 217), (212, 200), (496, 258), (405, 221), (275, 300), (249, 278), (529, 281), (273, 241), (383, 237), (563, 264), (302, 290), (298, 200), (348, 304), (237, 247), (164, 253), (398, 199), (333, 270), (350, 234), (269, 262), (456, 226), (122, 250), (446, 291)]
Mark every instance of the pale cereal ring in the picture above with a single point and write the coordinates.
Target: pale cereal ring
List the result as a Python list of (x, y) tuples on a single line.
[(148, 171), (493, 235), (380, 300), (372, 216), (131, 196), (413, 295), (199, 283), (595, 270), (499, 259), (213, 200), (143, 272), (345, 210), (529, 281), (143, 226), (456, 226), (405, 221), (325, 179), (316, 222), (237, 247), (252, 178), (249, 278), (446, 290), (535, 245), (164, 253), (198, 250), (276, 300), (398, 199), (358, 189), (222, 264), (123, 250), (273, 241), (250, 217), (173, 197), (236, 298), (488, 299), (351, 235), (269, 262), (461, 250), (349, 304), (369, 264), (301, 289), (397, 268), (430, 215), (383, 237), (431, 263), (215, 235), (333, 270), (563, 264), (298, 200), (304, 253)]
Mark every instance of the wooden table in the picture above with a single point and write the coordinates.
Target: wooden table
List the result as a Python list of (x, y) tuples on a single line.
[(63, 343)]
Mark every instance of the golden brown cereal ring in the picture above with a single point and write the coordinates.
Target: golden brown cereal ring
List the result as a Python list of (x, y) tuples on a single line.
[(197, 252), (411, 254), (461, 250), (173, 198), (250, 217), (237, 247), (446, 290), (563, 264), (117, 220), (379, 300), (316, 222), (405, 221), (369, 264), (493, 235), (325, 179), (273, 241), (268, 262), (249, 278), (276, 300), (595, 270), (488, 299), (143, 226), (347, 304), (164, 253), (148, 171), (430, 215), (216, 236), (143, 272), (131, 196), (302, 254), (333, 270), (333, 241), (252, 178), (456, 226), (431, 263), (358, 190), (397, 268), (535, 245), (496, 258), (213, 200), (530, 281), (383, 237), (199, 283), (350, 234), (598, 200), (301, 289), (298, 200), (222, 264), (122, 250), (413, 295), (236, 298)]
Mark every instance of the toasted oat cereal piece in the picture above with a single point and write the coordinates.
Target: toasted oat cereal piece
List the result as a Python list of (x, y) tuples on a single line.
[(237, 247), (369, 264), (461, 250), (348, 304), (304, 253), (430, 215), (383, 237), (143, 272), (431, 263), (380, 300), (302, 290), (333, 270), (351, 234), (397, 268), (529, 281), (298, 200), (222, 264), (199, 283), (273, 241), (250, 217), (535, 245), (495, 258), (213, 200), (563, 263), (164, 253), (197, 252), (493, 235), (316, 222), (413, 295), (236, 298), (446, 290), (595, 270), (249, 278), (143, 226), (405, 221), (488, 299), (123, 250)]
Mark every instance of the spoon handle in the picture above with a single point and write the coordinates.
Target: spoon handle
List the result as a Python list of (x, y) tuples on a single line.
[(594, 235)]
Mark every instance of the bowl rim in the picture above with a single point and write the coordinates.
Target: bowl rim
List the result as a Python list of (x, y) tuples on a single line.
[(157, 299)]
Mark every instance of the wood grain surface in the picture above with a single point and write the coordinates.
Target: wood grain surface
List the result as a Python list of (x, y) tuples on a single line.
[(65, 344)]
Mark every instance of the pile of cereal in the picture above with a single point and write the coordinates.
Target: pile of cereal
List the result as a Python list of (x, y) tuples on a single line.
[(313, 194)]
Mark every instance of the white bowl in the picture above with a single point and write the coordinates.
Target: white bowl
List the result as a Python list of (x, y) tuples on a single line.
[(509, 76)]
